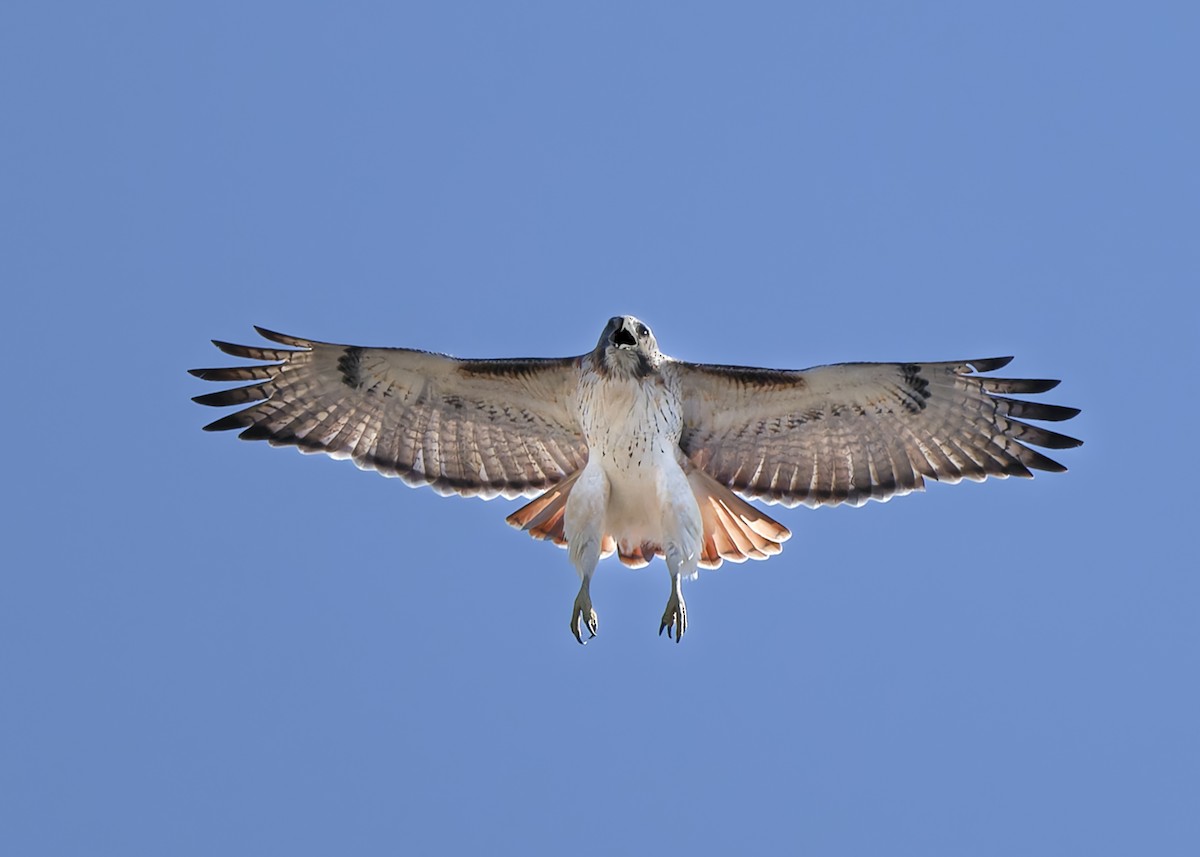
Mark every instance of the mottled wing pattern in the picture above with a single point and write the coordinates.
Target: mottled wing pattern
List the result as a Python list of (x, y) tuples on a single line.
[(860, 431), (471, 427)]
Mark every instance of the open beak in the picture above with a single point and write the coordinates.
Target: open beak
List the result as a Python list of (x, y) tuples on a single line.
[(623, 338)]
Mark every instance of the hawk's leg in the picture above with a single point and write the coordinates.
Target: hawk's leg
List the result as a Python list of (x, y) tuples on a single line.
[(683, 533), (583, 614), (675, 616), (583, 523), (684, 530)]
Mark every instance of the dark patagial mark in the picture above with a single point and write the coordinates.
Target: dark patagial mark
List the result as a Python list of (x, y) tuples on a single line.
[(512, 367)]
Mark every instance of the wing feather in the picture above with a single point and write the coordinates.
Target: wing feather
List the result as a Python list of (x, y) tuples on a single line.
[(854, 432), (473, 427)]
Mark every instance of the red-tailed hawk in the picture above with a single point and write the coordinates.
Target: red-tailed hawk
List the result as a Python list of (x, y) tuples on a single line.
[(630, 451)]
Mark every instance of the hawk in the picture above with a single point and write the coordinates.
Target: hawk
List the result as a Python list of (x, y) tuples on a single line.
[(626, 450)]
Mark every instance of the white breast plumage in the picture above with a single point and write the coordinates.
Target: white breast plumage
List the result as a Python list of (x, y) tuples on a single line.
[(628, 422)]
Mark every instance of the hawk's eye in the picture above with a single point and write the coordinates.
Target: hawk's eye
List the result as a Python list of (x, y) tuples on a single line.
[(643, 330)]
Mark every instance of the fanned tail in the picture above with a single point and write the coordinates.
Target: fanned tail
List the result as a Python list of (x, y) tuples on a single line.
[(542, 517), (734, 530)]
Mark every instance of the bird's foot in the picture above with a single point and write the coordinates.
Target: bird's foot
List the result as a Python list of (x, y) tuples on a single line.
[(675, 616), (583, 614)]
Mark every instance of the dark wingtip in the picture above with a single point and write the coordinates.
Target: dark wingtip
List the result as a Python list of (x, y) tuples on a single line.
[(282, 338), (1037, 461), (233, 421), (990, 364), (255, 432), (1036, 410), (215, 400), (1068, 442), (234, 396)]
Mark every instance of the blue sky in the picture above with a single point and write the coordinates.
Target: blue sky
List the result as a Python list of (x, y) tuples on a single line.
[(214, 647)]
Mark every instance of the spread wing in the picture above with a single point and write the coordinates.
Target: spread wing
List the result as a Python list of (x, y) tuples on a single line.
[(472, 427), (860, 431)]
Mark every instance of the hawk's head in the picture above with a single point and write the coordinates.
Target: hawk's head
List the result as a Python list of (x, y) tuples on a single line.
[(628, 347)]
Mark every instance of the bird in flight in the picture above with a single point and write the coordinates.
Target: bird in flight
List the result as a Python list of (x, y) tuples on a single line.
[(626, 450)]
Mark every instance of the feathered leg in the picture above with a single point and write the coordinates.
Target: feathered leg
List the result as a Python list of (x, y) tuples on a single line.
[(583, 524), (683, 532)]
